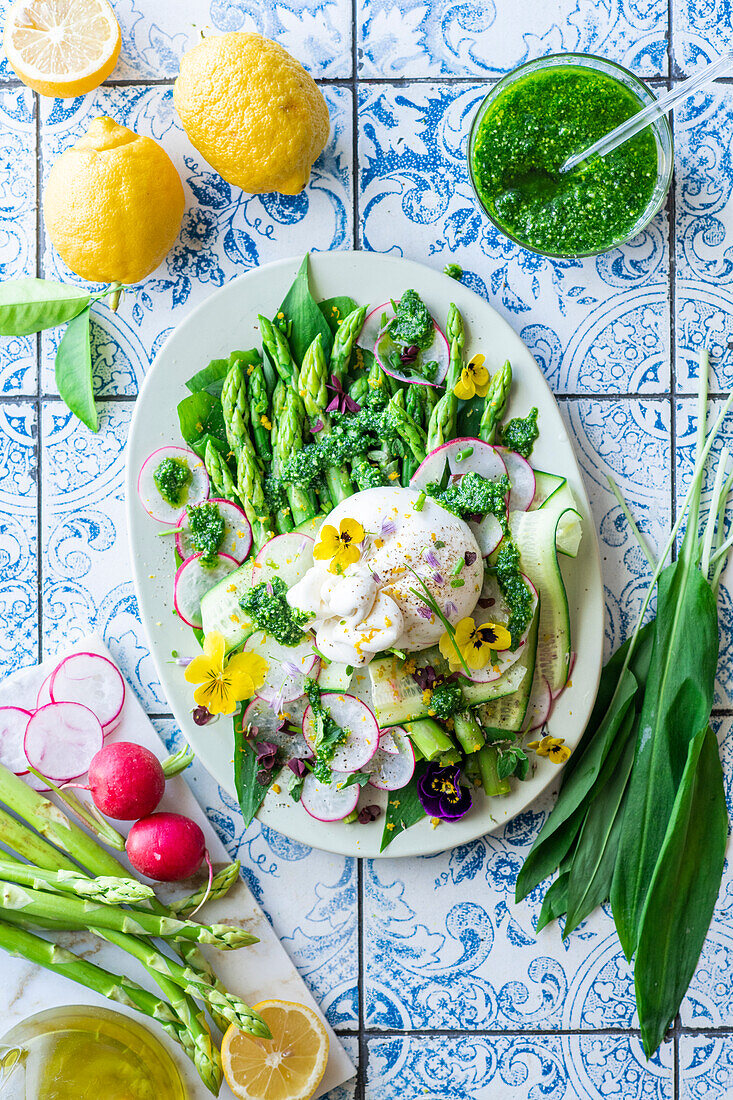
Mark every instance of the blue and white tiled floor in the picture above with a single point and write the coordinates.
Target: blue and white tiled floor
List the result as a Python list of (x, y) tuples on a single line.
[(427, 967)]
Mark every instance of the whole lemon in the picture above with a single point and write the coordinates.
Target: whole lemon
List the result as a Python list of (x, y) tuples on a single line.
[(252, 111), (113, 204)]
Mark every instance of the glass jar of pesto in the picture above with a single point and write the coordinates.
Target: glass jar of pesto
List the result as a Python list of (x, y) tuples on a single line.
[(532, 121)]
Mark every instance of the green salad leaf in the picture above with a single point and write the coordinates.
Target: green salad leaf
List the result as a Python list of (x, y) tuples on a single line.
[(200, 418), (404, 809), (248, 773), (335, 309), (73, 369), (304, 314)]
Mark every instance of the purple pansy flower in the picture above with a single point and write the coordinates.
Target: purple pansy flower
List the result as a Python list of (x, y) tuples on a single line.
[(425, 677), (441, 794), (341, 401)]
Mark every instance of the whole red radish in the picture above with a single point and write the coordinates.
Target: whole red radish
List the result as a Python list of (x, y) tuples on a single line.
[(167, 847), (126, 780)]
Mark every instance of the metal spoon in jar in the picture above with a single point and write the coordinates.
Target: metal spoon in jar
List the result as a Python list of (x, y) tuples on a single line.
[(651, 113)]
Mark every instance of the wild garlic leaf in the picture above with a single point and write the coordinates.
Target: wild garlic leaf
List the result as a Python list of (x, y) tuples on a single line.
[(74, 370), (30, 305)]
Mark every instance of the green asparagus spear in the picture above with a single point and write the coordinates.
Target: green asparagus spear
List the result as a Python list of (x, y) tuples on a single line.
[(343, 341), (251, 491), (259, 412), (312, 388), (139, 923), (290, 439), (178, 762), (276, 343), (217, 467), (235, 407), (442, 423), (27, 844), (409, 432), (496, 402), (221, 884), (107, 890)]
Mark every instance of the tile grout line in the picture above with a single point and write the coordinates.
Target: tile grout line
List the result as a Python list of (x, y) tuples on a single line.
[(38, 402)]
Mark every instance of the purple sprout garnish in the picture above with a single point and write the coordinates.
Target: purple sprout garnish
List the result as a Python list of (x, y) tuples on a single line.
[(368, 814), (266, 753), (409, 354), (441, 793), (202, 716), (298, 767), (317, 427), (341, 401)]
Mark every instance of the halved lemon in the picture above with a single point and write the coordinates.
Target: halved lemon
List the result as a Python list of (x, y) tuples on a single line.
[(62, 47), (289, 1066)]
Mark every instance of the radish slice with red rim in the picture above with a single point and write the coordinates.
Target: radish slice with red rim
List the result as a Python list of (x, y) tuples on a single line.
[(521, 478), (13, 723), (276, 726), (237, 539), (356, 720), (196, 490), (61, 739), (391, 739), (288, 557), (92, 680), (462, 456), (193, 580), (374, 337), (389, 771), (287, 668), (328, 801), (488, 533), (44, 692)]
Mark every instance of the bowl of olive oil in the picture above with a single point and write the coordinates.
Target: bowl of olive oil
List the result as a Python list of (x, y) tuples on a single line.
[(82, 1052)]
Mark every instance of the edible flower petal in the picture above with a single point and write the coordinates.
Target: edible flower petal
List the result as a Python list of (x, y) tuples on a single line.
[(474, 380), (222, 683), (554, 748), (475, 643), (342, 401), (342, 546), (441, 793)]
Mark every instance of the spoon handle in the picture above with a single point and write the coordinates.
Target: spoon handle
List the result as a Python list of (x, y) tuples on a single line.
[(652, 112)]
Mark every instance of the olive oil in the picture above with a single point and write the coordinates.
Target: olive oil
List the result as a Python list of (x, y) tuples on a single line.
[(86, 1053)]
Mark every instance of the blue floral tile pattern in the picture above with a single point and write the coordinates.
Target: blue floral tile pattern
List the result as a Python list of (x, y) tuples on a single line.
[(595, 326), (704, 235), (153, 40), (438, 38), (18, 537), (309, 896), (706, 1067), (702, 30), (224, 233), (527, 1067)]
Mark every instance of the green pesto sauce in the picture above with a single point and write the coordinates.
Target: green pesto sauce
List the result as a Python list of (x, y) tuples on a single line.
[(474, 495), (172, 476), (520, 434), (446, 700), (328, 734), (206, 528), (516, 593), (525, 137), (271, 612)]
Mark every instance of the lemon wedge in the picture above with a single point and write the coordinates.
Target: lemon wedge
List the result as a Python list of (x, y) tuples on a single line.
[(289, 1066)]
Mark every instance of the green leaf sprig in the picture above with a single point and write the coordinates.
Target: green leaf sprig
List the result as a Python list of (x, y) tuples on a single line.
[(34, 305)]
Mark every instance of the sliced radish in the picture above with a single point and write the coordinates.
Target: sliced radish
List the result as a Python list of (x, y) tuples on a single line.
[(328, 801), (193, 580), (391, 739), (237, 540), (196, 490), (463, 456), (373, 337), (356, 720), (268, 724), (61, 739), (390, 771), (288, 557), (540, 706), (287, 668), (488, 533), (522, 479), (492, 608), (13, 722), (93, 681), (44, 692)]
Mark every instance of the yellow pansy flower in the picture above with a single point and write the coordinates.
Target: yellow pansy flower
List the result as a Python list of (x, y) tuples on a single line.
[(222, 683), (341, 546), (475, 643), (474, 380), (554, 748)]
